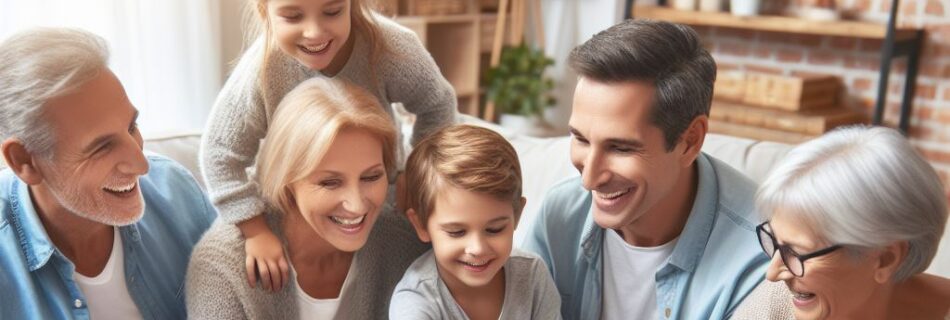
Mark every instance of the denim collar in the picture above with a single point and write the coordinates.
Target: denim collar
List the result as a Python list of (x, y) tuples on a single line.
[(34, 242)]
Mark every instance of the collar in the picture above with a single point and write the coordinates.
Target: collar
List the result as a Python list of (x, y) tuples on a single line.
[(31, 235), (692, 241)]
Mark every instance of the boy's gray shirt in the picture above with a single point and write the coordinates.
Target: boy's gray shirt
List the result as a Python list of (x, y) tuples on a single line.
[(529, 291)]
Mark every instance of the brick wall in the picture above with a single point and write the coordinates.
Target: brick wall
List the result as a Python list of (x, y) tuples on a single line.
[(856, 62)]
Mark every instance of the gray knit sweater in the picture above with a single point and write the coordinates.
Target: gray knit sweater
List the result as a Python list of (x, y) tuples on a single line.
[(769, 300), (216, 285), (240, 117)]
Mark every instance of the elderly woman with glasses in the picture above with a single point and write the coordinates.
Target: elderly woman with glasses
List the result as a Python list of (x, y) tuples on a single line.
[(853, 220)]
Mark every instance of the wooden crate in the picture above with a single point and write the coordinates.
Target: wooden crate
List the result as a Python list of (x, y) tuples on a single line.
[(791, 93), (439, 7), (757, 133), (730, 86), (810, 122)]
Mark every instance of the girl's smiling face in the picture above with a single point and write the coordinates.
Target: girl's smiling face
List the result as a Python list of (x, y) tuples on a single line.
[(313, 32)]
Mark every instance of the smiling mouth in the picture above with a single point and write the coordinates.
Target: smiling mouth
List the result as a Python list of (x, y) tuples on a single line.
[(120, 190), (315, 49), (476, 266), (347, 223), (612, 195)]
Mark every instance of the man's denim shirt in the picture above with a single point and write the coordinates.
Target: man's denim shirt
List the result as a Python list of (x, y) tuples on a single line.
[(36, 279), (716, 262)]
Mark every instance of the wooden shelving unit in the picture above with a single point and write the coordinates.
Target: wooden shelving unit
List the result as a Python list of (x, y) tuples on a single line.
[(898, 42), (453, 41), (772, 23)]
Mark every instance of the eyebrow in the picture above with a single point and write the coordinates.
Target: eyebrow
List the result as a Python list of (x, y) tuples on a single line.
[(632, 143), (375, 166), (92, 146), (460, 225)]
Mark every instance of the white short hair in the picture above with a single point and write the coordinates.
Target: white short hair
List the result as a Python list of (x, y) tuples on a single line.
[(864, 187), (37, 65)]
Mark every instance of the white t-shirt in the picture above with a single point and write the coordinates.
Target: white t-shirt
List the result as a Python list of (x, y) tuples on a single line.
[(312, 308), (630, 277), (107, 297)]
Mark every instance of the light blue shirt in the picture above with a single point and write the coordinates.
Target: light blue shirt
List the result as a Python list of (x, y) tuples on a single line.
[(36, 279), (716, 262)]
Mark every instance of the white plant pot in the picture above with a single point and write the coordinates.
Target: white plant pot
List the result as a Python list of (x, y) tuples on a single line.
[(684, 5), (744, 7)]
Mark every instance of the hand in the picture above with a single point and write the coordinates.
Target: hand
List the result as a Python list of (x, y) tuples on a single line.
[(265, 255)]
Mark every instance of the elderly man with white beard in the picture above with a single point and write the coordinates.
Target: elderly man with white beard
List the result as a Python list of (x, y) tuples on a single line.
[(90, 226)]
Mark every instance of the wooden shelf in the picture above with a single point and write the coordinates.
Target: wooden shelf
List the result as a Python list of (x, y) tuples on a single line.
[(772, 23)]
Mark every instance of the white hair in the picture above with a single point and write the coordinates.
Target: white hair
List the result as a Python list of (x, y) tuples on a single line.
[(863, 187), (37, 65)]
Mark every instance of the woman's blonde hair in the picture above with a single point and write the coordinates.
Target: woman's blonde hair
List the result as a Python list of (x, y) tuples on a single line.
[(363, 22), (305, 124)]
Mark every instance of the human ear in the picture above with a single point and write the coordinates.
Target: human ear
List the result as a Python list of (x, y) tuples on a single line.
[(21, 161), (519, 210), (692, 139), (888, 260), (417, 224)]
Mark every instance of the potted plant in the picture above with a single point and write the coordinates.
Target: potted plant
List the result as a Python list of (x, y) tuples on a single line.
[(519, 88)]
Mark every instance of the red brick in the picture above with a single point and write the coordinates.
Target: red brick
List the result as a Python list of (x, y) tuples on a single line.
[(920, 133), (789, 55), (863, 63), (885, 6), (762, 69), (862, 84), (734, 48), (925, 91), (923, 112), (934, 69), (762, 51), (933, 7), (946, 94), (908, 8), (871, 45), (942, 116), (823, 57), (937, 156), (722, 66), (842, 43)]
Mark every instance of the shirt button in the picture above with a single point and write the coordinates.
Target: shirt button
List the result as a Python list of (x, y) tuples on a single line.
[(78, 303), (668, 311)]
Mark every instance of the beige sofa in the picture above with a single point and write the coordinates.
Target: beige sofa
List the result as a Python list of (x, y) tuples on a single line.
[(545, 162)]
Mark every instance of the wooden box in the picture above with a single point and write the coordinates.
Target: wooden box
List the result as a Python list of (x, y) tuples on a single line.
[(440, 7), (809, 122), (791, 93), (730, 86)]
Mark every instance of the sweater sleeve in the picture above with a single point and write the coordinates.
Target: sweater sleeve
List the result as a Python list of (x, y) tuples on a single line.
[(208, 294), (237, 123), (413, 78)]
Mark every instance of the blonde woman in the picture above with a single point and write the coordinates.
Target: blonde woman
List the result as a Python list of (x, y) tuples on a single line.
[(324, 170)]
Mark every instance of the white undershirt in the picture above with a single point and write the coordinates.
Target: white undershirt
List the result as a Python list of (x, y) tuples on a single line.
[(312, 308), (107, 296), (630, 277)]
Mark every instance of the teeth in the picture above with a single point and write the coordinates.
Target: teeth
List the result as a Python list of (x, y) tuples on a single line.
[(611, 195), (315, 48), (802, 296), (347, 222), (123, 189), (479, 264)]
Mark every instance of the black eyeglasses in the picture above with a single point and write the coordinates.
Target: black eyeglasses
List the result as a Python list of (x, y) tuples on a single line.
[(793, 261)]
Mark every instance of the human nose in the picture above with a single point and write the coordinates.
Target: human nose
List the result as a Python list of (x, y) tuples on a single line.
[(593, 173), (476, 245), (353, 201), (311, 29), (134, 161), (777, 271)]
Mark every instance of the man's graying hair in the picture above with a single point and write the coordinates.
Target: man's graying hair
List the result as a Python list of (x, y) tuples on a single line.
[(669, 56), (38, 65)]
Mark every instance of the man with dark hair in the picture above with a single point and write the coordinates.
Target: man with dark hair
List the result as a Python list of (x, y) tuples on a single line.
[(653, 228)]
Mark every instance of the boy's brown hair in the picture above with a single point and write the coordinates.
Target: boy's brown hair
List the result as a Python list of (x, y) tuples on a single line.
[(466, 157)]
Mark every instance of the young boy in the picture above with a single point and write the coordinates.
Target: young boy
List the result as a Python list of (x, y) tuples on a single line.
[(464, 196)]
